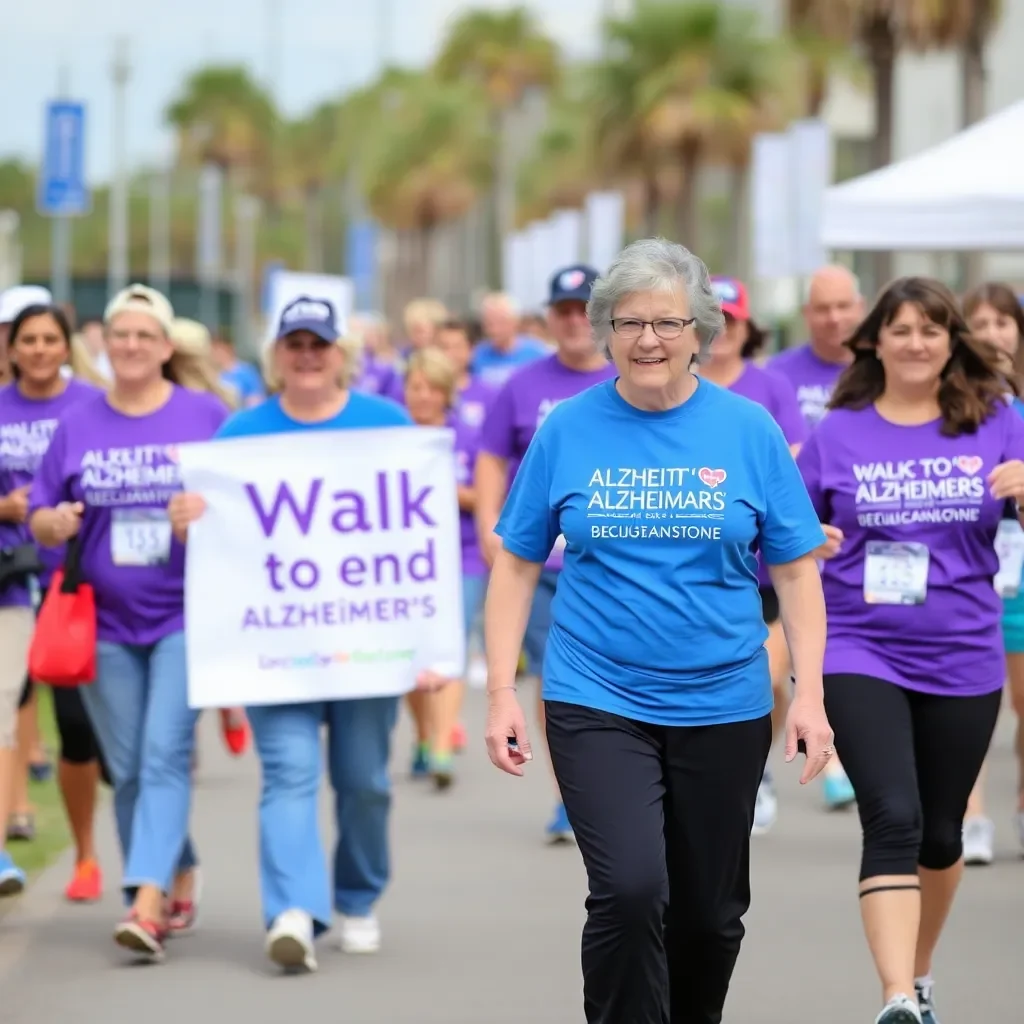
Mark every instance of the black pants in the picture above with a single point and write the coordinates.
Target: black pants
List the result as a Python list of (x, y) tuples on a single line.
[(78, 744), (913, 759), (662, 817)]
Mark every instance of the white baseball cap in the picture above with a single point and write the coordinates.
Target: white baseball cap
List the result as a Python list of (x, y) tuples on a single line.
[(21, 296), (139, 298)]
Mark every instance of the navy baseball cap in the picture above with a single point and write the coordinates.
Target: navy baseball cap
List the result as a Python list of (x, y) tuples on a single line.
[(573, 283), (308, 314)]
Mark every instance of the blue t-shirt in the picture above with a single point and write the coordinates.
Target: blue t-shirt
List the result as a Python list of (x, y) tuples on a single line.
[(657, 615), (361, 412), (494, 366), (245, 380)]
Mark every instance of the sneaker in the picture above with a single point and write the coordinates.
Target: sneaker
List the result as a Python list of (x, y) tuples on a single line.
[(86, 885), (290, 941), (442, 768), (900, 1010), (459, 739), (766, 806), (146, 938), (839, 792), (979, 840), (12, 878), (559, 830), (183, 915), (923, 987), (359, 934), (420, 762), (21, 828)]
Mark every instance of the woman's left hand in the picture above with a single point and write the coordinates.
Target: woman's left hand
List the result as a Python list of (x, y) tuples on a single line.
[(807, 721), (1007, 481)]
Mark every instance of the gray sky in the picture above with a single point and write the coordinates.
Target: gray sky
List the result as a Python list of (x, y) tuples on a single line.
[(323, 47)]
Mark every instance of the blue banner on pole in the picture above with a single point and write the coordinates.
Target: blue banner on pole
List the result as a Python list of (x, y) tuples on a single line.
[(62, 189), (361, 262)]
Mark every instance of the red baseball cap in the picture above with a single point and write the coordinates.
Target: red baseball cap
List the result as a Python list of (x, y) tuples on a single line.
[(732, 297)]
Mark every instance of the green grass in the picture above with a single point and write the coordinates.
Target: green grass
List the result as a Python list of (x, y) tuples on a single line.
[(52, 836)]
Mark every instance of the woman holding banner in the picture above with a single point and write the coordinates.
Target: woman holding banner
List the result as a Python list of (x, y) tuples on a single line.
[(107, 477), (310, 365)]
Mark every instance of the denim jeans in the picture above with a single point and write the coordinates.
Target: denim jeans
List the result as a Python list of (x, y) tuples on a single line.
[(139, 710), (293, 869)]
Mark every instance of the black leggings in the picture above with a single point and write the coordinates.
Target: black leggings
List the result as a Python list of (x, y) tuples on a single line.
[(78, 743), (913, 759), (662, 817)]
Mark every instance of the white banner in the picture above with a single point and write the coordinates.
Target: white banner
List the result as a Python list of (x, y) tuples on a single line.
[(771, 206), (605, 228), (326, 567)]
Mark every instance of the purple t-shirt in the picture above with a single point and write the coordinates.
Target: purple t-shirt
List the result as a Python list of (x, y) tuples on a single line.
[(125, 470), (910, 501), (26, 427), (468, 419), (522, 405), (812, 378), (775, 394), (378, 378)]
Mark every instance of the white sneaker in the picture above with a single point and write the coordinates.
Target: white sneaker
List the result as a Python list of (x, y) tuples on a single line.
[(766, 807), (899, 1010), (290, 941), (359, 934), (979, 840)]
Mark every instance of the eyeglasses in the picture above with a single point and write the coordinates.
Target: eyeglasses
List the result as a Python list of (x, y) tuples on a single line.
[(667, 330)]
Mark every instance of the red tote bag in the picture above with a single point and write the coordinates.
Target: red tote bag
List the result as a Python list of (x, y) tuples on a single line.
[(63, 651)]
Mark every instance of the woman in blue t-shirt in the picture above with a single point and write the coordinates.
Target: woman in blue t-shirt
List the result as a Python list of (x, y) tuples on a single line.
[(656, 684), (311, 367)]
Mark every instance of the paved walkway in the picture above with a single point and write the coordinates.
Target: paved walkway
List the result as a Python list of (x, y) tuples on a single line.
[(482, 922)]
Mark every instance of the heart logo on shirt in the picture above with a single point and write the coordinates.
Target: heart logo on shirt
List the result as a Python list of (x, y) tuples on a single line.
[(711, 477), (171, 451), (969, 464)]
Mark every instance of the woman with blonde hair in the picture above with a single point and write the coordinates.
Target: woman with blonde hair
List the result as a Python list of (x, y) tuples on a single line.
[(195, 367), (431, 393), (421, 319), (107, 478)]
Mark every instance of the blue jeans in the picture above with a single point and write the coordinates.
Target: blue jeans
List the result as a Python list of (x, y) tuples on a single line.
[(538, 625), (139, 710), (293, 869)]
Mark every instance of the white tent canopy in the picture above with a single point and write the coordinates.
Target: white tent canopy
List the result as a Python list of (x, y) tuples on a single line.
[(967, 193)]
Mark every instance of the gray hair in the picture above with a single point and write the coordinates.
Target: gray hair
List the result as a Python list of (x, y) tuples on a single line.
[(655, 264)]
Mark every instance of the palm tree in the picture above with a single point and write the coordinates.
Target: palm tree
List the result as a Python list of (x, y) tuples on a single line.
[(882, 28), (428, 165), (223, 117), (504, 54)]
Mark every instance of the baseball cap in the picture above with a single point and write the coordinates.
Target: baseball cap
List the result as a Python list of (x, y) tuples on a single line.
[(573, 282), (732, 297), (308, 314), (21, 296), (140, 298)]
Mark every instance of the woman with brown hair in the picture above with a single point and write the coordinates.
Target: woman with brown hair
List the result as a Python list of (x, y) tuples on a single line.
[(995, 316), (911, 473)]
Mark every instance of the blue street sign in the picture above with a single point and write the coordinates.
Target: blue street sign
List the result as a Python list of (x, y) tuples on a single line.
[(62, 187), (361, 262)]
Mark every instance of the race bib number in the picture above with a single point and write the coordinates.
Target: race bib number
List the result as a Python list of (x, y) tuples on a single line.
[(895, 573), (1010, 549), (140, 536)]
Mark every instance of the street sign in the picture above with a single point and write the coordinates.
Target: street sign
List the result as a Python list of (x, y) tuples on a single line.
[(62, 186)]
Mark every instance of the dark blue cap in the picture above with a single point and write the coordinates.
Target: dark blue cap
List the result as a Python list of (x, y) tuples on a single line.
[(308, 314), (573, 283)]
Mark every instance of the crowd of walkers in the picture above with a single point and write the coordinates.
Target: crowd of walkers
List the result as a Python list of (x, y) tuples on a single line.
[(662, 515)]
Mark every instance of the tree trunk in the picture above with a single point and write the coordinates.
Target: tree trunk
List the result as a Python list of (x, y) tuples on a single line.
[(972, 109), (739, 220), (313, 219), (652, 208), (881, 45), (689, 195)]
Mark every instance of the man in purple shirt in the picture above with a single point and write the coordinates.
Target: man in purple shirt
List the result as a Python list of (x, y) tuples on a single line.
[(833, 309)]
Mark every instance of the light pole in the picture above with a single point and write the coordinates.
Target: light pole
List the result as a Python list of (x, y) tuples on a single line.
[(60, 224), (160, 230), (117, 265)]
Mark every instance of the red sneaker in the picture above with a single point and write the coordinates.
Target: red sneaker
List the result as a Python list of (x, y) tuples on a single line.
[(144, 937), (86, 886), (459, 739), (235, 730)]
